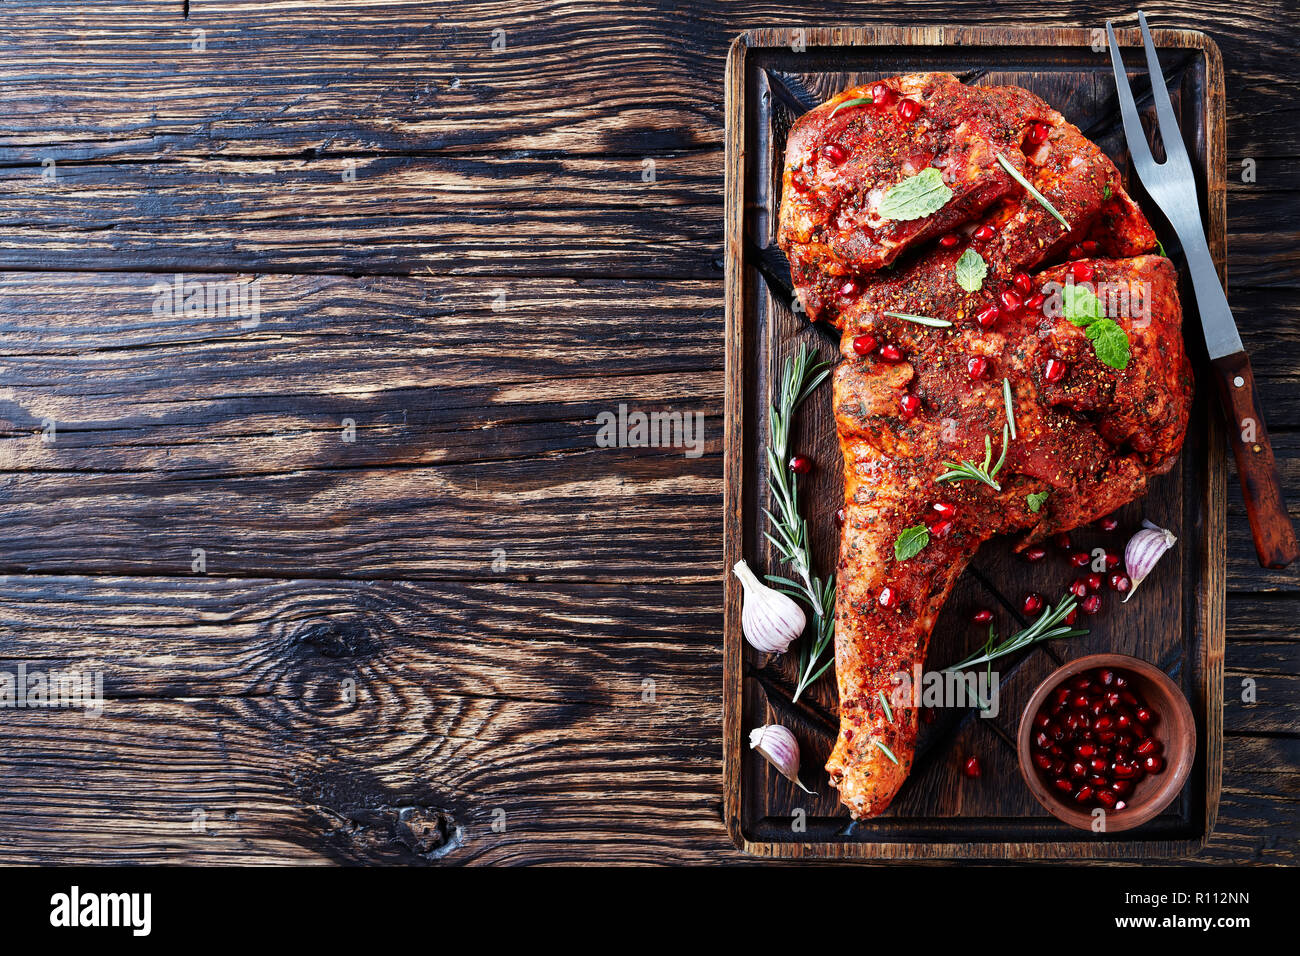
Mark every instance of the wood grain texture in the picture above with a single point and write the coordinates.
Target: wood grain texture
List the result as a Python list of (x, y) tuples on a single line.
[(475, 170)]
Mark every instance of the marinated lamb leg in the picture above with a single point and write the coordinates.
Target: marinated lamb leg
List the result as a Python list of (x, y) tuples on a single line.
[(1097, 410)]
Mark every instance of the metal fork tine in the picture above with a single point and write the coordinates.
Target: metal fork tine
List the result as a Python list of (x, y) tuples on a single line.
[(1133, 131), (1169, 130)]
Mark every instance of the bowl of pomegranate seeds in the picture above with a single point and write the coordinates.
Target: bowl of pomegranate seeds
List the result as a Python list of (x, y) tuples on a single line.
[(1106, 732)]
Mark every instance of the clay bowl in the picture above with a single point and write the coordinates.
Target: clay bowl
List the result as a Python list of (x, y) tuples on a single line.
[(1175, 728)]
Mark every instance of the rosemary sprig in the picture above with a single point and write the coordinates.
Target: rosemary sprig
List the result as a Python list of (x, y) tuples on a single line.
[(886, 751), (969, 471), (789, 535), (1042, 200), (921, 320), (1011, 413), (1049, 626), (857, 101)]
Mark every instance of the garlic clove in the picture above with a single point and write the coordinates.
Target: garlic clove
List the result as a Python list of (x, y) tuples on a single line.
[(780, 749), (1143, 550), (771, 620)]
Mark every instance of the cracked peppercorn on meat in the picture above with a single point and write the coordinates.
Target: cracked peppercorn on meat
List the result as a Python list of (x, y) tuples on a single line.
[(909, 399)]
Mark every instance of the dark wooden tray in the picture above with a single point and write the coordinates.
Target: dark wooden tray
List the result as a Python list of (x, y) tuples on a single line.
[(1176, 620)]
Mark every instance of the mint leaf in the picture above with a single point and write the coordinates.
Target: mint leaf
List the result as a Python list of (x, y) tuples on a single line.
[(1036, 500), (911, 541), (1080, 306), (915, 197), (1110, 343), (971, 270)]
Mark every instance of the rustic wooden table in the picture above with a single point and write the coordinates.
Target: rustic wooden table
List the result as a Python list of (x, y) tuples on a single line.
[(338, 531)]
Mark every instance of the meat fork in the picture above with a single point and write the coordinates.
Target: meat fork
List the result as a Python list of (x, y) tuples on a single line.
[(1171, 185)]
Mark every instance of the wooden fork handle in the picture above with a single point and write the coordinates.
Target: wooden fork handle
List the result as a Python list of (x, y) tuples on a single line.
[(1275, 539)]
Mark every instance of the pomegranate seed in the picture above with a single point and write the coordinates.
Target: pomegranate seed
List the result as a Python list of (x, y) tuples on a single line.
[(1072, 617), (1120, 804), (864, 344), (1084, 794), (1062, 541), (1112, 560), (1091, 604), (1088, 247), (835, 153), (881, 94), (890, 353), (1038, 133), (839, 518), (1042, 720), (801, 465), (1010, 300), (1078, 769), (850, 288), (1108, 524), (1122, 788), (1033, 602), (985, 232), (1107, 799), (1035, 302), (1079, 588), (1094, 582), (908, 109), (1035, 554), (1144, 716), (1098, 764), (1106, 676), (950, 240), (1022, 282), (1104, 722), (1076, 251), (941, 529), (945, 509), (1085, 750), (984, 616), (1148, 746), (978, 367), (988, 317), (1153, 763), (886, 597), (1063, 785), (1126, 771), (972, 767), (1120, 582), (1043, 762), (1054, 370), (910, 405), (1081, 271), (1080, 559)]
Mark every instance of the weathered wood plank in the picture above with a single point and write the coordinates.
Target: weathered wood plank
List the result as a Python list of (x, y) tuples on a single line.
[(400, 214), (229, 705)]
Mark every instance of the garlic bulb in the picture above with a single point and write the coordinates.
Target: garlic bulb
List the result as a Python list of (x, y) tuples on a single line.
[(780, 748), (1142, 552), (770, 619)]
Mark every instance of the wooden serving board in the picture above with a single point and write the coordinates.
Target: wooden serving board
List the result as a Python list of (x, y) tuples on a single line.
[(1175, 620)]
